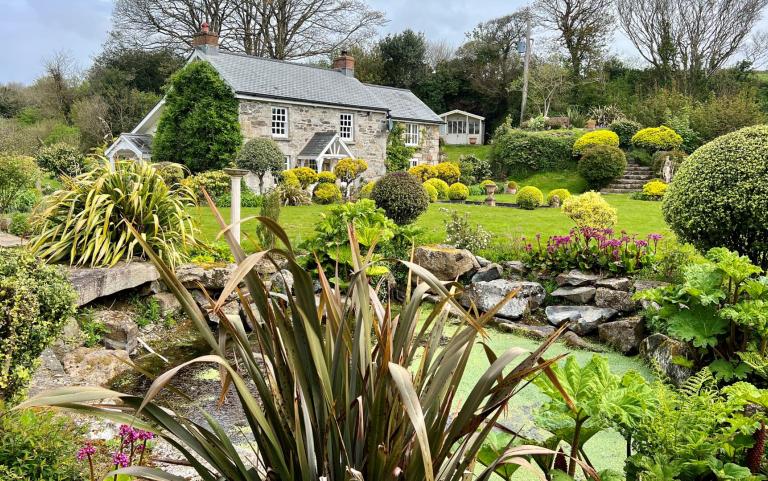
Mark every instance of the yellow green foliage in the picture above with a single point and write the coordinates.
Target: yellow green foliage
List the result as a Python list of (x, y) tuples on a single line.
[(440, 186), (326, 178), (365, 192), (597, 137), (657, 138), (655, 188), (431, 192), (529, 197), (423, 172), (448, 172), (590, 210), (290, 179), (348, 169), (326, 193), (305, 176), (458, 191), (487, 182), (562, 194)]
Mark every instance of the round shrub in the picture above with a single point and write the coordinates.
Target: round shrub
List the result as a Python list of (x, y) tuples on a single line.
[(601, 164), (216, 182), (326, 193), (561, 194), (326, 178), (35, 301), (365, 192), (349, 169), (17, 174), (448, 172), (61, 160), (655, 189), (401, 196), (171, 172), (20, 225), (590, 210), (305, 176), (458, 191), (431, 192), (423, 172), (719, 196), (289, 178), (657, 138), (625, 129), (512, 185), (595, 138), (487, 182), (440, 186), (260, 155), (529, 197)]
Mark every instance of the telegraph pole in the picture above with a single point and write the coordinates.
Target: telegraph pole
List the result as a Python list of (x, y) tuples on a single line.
[(527, 61)]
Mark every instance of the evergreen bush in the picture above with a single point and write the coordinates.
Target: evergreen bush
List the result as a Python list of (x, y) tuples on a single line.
[(529, 197), (601, 164), (402, 197)]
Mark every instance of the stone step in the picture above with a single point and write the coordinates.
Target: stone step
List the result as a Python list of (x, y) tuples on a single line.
[(609, 190), (636, 177), (627, 184)]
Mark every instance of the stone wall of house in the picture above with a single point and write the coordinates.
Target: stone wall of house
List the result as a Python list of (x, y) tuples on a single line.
[(429, 145), (370, 130)]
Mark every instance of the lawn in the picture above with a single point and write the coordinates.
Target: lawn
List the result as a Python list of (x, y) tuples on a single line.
[(453, 152), (546, 182), (635, 216)]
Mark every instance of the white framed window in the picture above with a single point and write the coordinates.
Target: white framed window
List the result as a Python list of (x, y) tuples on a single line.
[(413, 162), (287, 162), (347, 127), (411, 134), (279, 122), (474, 127), (457, 127)]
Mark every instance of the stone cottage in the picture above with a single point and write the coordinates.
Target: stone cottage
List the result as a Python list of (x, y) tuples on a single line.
[(316, 115)]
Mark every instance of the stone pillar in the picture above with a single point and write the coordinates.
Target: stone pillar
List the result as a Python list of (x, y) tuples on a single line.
[(236, 175)]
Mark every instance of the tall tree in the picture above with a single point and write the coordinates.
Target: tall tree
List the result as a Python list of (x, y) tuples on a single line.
[(584, 28), (403, 59), (694, 38), (281, 29), (549, 82), (199, 125)]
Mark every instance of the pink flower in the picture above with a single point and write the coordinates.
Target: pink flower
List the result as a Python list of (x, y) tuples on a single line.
[(120, 459), (86, 451), (146, 435)]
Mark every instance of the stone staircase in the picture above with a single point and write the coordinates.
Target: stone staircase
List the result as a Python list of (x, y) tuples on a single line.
[(633, 180)]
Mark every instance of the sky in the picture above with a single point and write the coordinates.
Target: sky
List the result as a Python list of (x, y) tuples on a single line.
[(33, 30)]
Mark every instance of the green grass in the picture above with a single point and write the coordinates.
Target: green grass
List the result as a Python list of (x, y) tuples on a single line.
[(635, 216), (545, 181), (453, 152)]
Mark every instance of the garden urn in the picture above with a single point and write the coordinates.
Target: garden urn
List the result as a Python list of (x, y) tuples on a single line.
[(490, 190)]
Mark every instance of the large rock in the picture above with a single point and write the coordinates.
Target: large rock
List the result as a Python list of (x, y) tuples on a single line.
[(516, 268), (584, 319), (661, 351), (535, 332), (617, 284), (572, 339), (93, 366), (643, 285), (91, 284), (282, 281), (579, 295), (576, 278), (446, 263), (486, 295), (121, 332), (490, 272), (169, 305), (212, 278), (619, 300), (624, 335), (231, 308)]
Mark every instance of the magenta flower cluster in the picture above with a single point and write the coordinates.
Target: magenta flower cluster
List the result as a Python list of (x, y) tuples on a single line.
[(133, 442), (591, 249)]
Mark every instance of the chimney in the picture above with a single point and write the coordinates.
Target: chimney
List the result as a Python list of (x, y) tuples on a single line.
[(205, 40), (345, 64)]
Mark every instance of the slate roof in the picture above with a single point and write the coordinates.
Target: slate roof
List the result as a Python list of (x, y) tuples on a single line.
[(404, 105), (316, 144), (263, 77), (142, 141)]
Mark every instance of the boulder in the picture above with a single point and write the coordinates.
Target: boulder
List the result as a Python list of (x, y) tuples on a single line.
[(584, 319), (445, 262), (576, 278), (230, 308), (643, 285), (169, 305), (572, 339), (482, 261), (624, 335), (515, 267), (121, 332), (579, 295), (617, 284), (70, 338), (93, 366), (212, 279), (661, 352), (282, 281), (535, 332), (490, 272), (619, 300), (91, 284), (485, 295)]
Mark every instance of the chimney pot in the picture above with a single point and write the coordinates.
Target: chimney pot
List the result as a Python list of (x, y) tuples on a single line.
[(205, 40)]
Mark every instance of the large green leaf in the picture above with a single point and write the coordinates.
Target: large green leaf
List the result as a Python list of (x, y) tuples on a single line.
[(698, 324)]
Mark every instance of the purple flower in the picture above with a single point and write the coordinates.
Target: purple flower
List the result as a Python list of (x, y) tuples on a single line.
[(86, 451), (655, 237), (128, 434), (120, 459), (641, 243), (146, 435)]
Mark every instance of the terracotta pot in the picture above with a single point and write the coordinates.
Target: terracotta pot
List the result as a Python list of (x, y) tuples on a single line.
[(510, 191), (472, 140)]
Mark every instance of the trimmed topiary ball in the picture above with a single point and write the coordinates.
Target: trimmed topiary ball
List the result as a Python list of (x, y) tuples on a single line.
[(719, 196), (401, 196), (440, 186), (601, 164), (591, 139), (529, 197), (326, 193), (590, 210), (561, 194), (625, 129), (326, 178), (448, 172), (657, 138), (431, 191), (458, 191), (423, 172)]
